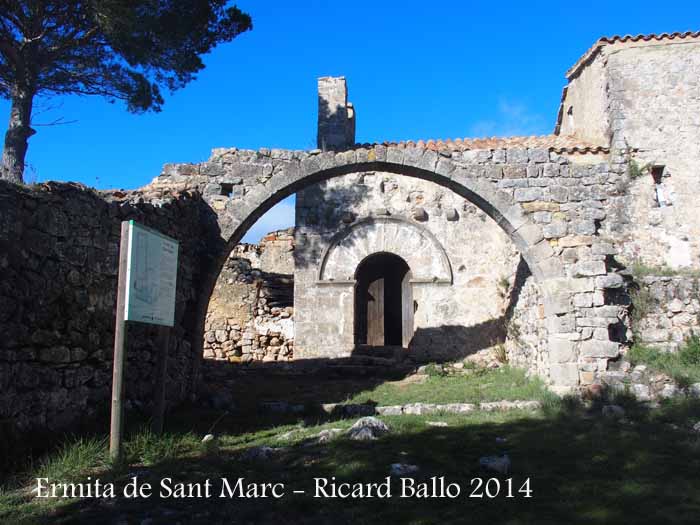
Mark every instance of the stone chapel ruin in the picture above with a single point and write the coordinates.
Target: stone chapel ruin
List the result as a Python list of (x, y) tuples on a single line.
[(414, 252)]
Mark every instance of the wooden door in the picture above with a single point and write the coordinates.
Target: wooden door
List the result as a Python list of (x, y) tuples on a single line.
[(375, 313), (407, 310)]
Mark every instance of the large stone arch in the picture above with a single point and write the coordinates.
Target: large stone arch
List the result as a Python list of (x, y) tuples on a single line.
[(238, 215), (240, 186), (397, 235)]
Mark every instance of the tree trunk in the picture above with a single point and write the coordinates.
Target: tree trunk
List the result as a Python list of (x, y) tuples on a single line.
[(17, 136)]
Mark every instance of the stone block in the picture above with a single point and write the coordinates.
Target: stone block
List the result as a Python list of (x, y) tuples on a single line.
[(555, 229), (420, 214), (394, 155), (57, 354), (528, 194), (499, 156), (612, 280), (601, 334), (559, 193), (516, 156), (573, 241), (594, 348), (550, 170), (561, 350), (542, 217), (598, 298), (542, 250), (564, 374), (676, 306), (584, 227), (445, 167), (531, 207), (559, 303), (587, 377), (589, 269), (561, 323), (539, 155), (583, 300), (533, 171), (531, 233), (600, 322)]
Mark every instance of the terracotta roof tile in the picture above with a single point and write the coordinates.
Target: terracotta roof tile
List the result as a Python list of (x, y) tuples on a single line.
[(555, 143)]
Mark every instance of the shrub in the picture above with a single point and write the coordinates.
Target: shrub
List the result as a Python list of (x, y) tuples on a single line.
[(635, 171), (500, 353)]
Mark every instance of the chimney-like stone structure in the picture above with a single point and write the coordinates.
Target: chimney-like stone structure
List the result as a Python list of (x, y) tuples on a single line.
[(336, 116)]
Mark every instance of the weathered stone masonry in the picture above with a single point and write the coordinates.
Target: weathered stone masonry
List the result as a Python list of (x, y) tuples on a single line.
[(511, 186), (566, 201), (250, 315), (237, 187), (59, 248)]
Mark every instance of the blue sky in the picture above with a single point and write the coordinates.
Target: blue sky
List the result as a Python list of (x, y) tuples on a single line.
[(414, 69)]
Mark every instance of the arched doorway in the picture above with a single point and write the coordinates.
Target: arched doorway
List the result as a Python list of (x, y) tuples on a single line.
[(383, 301)]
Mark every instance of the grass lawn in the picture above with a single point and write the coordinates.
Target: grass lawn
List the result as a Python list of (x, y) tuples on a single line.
[(477, 385), (583, 468)]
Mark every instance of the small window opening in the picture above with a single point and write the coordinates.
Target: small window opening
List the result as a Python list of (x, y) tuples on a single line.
[(570, 116), (226, 189), (660, 191)]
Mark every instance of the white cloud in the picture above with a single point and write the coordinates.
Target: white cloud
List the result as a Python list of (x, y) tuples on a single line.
[(280, 216), (513, 119)]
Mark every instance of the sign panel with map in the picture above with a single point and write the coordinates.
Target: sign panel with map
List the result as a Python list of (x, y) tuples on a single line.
[(151, 276)]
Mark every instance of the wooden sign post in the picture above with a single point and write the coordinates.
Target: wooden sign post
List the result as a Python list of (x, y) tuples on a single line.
[(145, 294)]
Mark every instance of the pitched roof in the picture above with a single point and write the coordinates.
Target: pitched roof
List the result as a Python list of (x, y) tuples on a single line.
[(555, 143), (615, 39)]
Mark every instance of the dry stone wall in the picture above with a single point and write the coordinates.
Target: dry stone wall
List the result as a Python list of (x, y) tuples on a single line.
[(251, 315), (668, 310), (59, 247)]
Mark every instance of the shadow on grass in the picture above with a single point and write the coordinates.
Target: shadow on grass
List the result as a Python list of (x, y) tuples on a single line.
[(583, 468)]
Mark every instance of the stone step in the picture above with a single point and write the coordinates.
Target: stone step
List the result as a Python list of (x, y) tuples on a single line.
[(385, 352)]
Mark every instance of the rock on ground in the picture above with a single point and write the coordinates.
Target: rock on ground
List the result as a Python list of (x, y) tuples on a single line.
[(367, 428), (500, 464), (328, 435), (402, 469)]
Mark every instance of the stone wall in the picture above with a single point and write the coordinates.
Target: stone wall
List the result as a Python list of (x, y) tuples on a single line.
[(654, 95), (551, 209), (525, 328), (643, 97), (458, 256), (251, 314), (59, 247), (668, 311)]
